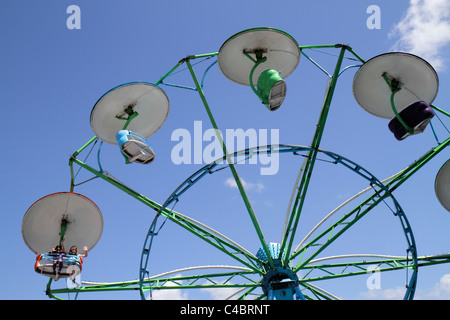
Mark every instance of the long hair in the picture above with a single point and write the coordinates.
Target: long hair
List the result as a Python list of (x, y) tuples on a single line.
[(73, 250)]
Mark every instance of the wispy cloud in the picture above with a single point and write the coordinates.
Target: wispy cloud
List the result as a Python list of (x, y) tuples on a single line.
[(440, 291), (396, 293), (258, 187), (424, 31), (220, 293), (172, 294)]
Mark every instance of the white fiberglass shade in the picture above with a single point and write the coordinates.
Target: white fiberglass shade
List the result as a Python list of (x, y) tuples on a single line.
[(148, 100), (41, 224), (281, 50), (417, 79), (442, 185)]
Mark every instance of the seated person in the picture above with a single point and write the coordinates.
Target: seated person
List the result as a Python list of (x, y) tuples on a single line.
[(58, 254), (74, 251), (75, 262), (78, 258)]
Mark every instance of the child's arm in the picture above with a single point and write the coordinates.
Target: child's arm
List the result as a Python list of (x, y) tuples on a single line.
[(85, 252)]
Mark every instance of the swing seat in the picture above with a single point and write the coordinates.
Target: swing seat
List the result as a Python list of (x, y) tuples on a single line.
[(272, 88), (134, 147), (416, 116), (44, 264)]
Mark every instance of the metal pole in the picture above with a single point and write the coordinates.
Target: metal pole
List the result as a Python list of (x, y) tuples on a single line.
[(310, 160), (232, 168)]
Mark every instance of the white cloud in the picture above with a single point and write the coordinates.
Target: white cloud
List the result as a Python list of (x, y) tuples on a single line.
[(425, 30), (441, 290), (172, 294), (258, 187), (220, 293), (387, 294), (169, 294)]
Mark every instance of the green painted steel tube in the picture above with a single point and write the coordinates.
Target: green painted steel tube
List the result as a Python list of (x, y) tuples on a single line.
[(287, 241), (74, 155), (84, 146), (414, 167), (204, 55), (152, 204), (394, 87), (331, 233), (232, 167), (252, 85), (355, 54), (391, 265), (63, 230), (394, 109), (169, 73), (321, 46), (130, 117), (220, 243), (191, 282), (440, 110), (357, 213)]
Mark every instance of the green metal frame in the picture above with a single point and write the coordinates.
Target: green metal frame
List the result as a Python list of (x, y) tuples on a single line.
[(244, 280), (308, 166), (334, 231), (250, 261)]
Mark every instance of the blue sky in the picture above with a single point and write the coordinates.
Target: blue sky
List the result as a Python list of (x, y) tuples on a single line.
[(52, 76)]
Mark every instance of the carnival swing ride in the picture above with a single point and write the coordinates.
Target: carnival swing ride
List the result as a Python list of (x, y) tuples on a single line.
[(397, 86)]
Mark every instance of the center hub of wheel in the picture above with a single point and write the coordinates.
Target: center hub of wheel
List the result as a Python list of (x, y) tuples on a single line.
[(279, 282)]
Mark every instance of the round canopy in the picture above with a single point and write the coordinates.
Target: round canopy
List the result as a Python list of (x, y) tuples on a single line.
[(442, 185), (281, 50), (41, 224), (417, 79), (148, 100)]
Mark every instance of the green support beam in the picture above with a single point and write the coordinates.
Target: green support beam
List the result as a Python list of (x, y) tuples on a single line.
[(288, 237), (232, 168), (243, 257)]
